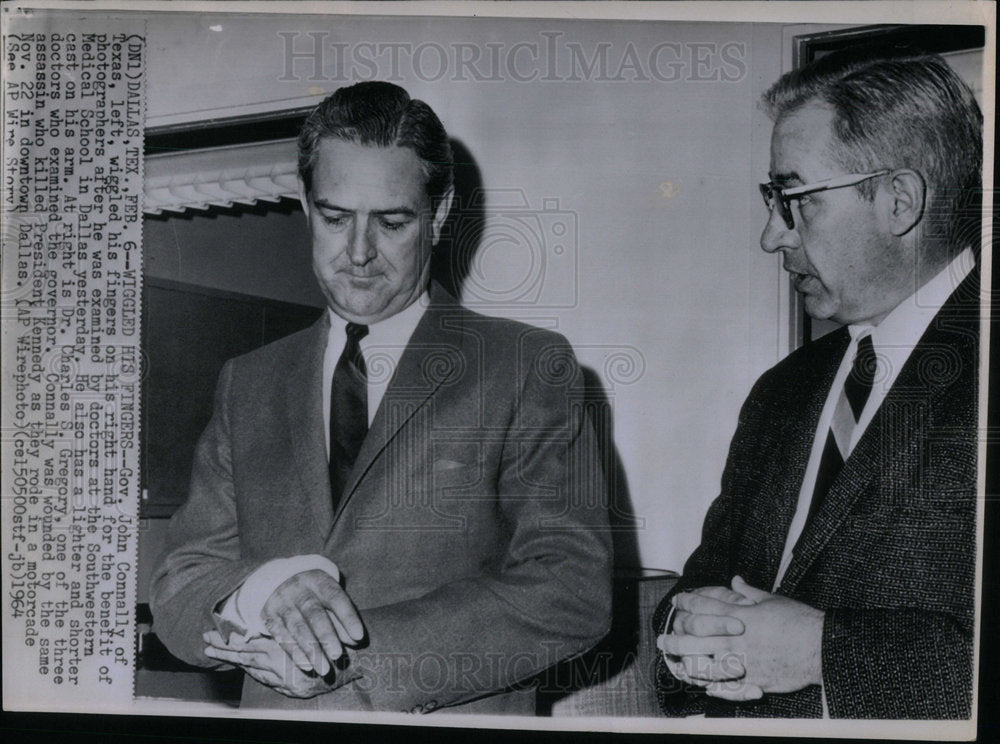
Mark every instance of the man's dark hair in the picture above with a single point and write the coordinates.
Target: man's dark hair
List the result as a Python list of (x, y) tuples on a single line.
[(379, 114), (899, 109)]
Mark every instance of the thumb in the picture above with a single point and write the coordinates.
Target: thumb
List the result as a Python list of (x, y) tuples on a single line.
[(753, 594)]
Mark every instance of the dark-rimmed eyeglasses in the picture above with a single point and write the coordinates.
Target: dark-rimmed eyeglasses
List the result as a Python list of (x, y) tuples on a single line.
[(774, 195)]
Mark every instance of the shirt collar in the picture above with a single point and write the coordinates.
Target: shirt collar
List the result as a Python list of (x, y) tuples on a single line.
[(394, 331)]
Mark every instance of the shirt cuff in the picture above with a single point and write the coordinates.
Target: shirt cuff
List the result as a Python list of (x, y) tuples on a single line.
[(240, 612), (668, 627)]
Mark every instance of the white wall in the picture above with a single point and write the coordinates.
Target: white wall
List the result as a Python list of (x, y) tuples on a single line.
[(659, 179)]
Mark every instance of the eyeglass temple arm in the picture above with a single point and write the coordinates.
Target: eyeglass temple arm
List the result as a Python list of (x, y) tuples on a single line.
[(833, 183)]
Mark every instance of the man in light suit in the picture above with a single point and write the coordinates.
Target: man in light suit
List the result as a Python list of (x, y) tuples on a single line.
[(401, 508), (836, 573)]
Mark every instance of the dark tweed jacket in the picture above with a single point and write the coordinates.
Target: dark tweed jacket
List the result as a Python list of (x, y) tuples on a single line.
[(891, 555)]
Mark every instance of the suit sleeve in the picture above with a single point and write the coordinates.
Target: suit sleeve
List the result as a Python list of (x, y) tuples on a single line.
[(864, 651), (201, 562), (546, 600)]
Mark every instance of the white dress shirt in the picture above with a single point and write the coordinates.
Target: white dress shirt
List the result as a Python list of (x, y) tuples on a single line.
[(381, 349)]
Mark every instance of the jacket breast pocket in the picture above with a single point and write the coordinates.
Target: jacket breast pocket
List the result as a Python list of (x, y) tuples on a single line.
[(451, 473)]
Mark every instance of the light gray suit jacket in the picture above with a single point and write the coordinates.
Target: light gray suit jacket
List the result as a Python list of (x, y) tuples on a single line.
[(472, 535)]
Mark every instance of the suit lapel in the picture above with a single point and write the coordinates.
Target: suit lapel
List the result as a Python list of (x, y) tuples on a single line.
[(432, 356), (304, 411), (899, 420)]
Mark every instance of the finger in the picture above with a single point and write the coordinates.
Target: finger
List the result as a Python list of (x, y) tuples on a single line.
[(699, 604), (264, 651), (261, 645), (318, 629), (706, 625), (709, 669), (343, 633), (239, 658), (723, 594), (235, 643), (752, 593), (736, 691), (686, 645), (348, 623), (280, 625), (291, 683), (676, 666), (214, 638), (269, 678), (674, 663), (296, 618)]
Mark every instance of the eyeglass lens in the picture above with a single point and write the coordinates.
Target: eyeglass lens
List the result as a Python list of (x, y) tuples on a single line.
[(772, 198)]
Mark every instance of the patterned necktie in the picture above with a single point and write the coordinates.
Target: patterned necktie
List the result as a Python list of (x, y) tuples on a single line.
[(846, 415), (348, 410)]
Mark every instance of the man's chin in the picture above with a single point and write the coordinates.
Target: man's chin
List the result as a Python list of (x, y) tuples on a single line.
[(360, 310), (817, 309)]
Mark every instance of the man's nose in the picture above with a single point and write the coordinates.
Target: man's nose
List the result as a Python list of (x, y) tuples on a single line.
[(776, 234), (361, 248)]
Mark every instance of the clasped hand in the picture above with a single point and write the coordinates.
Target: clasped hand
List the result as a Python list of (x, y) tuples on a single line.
[(310, 619), (741, 642)]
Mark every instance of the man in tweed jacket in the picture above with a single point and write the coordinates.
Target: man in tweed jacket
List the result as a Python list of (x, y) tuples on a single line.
[(836, 572)]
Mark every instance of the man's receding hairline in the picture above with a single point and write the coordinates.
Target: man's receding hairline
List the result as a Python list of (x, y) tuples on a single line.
[(832, 151)]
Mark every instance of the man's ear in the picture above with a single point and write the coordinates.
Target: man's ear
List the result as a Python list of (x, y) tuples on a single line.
[(907, 196), (303, 198), (441, 214)]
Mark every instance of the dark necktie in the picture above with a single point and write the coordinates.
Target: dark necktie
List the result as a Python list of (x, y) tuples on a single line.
[(850, 404), (348, 410)]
